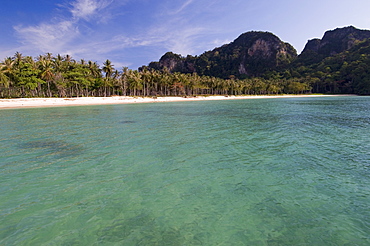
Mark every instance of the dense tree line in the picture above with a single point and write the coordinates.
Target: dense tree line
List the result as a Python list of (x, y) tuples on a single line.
[(339, 63), (62, 76), (347, 72)]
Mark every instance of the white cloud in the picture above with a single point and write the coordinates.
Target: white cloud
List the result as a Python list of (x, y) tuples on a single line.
[(56, 35), (48, 36), (76, 32), (84, 9), (170, 36), (182, 7), (183, 42)]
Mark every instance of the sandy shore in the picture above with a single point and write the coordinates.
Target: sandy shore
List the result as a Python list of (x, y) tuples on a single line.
[(84, 101)]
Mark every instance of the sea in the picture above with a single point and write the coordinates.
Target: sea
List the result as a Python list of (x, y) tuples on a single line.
[(283, 171)]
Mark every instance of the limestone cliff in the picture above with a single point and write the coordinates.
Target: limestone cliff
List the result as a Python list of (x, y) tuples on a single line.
[(333, 42), (258, 53), (251, 54)]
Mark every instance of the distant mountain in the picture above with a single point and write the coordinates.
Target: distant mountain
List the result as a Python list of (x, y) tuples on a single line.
[(332, 43), (255, 54), (337, 63), (251, 54), (346, 72)]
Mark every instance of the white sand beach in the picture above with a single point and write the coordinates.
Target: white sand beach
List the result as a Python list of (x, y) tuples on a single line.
[(84, 101)]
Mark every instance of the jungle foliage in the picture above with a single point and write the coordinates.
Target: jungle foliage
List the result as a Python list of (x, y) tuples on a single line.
[(62, 76)]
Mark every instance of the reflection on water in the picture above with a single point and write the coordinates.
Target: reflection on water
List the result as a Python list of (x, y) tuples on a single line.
[(243, 172)]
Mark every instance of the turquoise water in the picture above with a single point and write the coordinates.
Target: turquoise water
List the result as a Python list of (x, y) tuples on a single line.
[(291, 171)]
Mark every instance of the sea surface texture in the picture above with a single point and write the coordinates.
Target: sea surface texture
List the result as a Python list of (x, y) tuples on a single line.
[(288, 171)]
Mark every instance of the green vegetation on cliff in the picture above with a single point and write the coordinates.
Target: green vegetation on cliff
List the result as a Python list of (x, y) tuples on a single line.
[(251, 55), (337, 63), (345, 72)]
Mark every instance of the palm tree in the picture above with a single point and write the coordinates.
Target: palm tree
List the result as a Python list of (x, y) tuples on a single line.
[(59, 66), (8, 65), (48, 56), (68, 58), (94, 69), (18, 57), (5, 71), (135, 81), (124, 80), (47, 73), (58, 63), (108, 70)]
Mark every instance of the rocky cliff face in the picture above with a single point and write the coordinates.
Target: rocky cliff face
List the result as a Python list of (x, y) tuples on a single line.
[(170, 60), (312, 45), (333, 42), (251, 54), (257, 53)]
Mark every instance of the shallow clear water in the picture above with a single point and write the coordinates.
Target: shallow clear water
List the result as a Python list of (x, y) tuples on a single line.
[(237, 172)]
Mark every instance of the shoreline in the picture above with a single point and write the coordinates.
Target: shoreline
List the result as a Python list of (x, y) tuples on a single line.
[(86, 101)]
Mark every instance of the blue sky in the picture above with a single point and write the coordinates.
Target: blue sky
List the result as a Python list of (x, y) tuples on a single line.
[(135, 32)]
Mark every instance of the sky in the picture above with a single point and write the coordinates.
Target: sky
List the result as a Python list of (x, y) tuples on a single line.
[(132, 33)]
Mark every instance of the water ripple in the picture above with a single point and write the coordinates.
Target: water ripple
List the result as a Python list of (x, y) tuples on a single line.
[(256, 172)]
